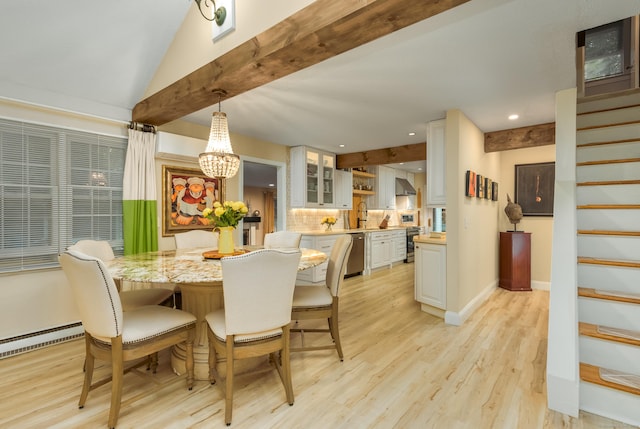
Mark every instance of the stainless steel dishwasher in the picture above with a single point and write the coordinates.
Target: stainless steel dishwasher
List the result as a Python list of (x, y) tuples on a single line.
[(355, 264)]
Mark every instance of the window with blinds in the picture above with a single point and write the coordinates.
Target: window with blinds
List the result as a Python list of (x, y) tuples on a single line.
[(57, 186)]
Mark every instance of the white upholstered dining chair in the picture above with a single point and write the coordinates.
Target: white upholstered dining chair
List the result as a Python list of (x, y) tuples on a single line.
[(131, 298), (321, 302), (258, 291), (282, 240), (196, 238), (119, 337)]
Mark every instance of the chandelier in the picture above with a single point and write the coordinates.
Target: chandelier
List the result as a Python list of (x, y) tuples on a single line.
[(218, 159), (218, 14)]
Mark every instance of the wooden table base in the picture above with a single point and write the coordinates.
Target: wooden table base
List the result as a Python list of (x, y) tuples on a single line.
[(199, 300)]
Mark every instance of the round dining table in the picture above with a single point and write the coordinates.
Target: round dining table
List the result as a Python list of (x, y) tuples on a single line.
[(200, 282)]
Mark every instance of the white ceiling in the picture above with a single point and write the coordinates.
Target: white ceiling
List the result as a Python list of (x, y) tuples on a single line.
[(488, 58)]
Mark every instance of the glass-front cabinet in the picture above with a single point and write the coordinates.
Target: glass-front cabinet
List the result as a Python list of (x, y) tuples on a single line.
[(312, 178)]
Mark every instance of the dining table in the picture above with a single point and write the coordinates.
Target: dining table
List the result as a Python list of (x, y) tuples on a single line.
[(199, 280)]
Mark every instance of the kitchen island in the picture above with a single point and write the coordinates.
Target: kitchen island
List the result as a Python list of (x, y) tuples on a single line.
[(382, 248)]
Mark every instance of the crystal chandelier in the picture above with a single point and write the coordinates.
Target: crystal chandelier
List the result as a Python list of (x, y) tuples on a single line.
[(218, 160)]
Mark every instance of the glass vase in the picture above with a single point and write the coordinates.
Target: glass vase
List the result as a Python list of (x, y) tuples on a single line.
[(225, 241), (328, 226)]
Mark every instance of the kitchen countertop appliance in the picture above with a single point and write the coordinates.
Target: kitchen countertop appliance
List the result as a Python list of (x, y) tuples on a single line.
[(412, 231)]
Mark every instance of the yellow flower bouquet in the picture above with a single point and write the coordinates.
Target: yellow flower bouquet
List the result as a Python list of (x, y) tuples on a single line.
[(228, 213), (329, 221)]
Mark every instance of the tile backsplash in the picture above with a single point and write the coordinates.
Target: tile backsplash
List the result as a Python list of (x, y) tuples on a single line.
[(309, 219)]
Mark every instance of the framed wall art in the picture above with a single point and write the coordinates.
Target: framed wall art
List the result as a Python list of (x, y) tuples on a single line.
[(494, 191), (480, 186), (487, 188), (470, 184), (534, 188), (185, 193)]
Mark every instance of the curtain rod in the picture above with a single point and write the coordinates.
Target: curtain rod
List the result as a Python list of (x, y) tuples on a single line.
[(145, 128)]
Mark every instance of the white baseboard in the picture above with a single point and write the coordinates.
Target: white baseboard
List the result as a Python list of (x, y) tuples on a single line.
[(537, 285), (458, 318), (36, 340)]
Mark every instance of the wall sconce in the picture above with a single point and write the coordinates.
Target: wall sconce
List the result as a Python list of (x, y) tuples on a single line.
[(218, 14)]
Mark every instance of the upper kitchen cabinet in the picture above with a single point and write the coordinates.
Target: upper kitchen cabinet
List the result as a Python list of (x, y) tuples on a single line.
[(385, 189), (436, 164), (312, 178), (343, 190)]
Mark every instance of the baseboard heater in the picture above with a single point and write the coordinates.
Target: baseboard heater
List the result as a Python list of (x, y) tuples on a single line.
[(37, 340)]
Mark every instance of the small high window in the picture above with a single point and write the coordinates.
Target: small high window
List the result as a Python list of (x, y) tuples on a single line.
[(608, 55), (604, 51)]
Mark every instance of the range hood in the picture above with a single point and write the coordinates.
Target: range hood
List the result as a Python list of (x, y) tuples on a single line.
[(403, 187)]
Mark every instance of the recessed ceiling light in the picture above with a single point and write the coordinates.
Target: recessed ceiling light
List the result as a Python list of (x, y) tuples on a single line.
[(341, 145), (402, 163), (419, 168), (513, 117), (412, 133), (272, 184)]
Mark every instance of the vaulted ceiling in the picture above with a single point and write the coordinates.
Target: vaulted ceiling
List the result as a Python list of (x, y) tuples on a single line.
[(488, 58)]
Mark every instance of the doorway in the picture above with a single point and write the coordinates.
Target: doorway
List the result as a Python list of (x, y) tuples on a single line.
[(263, 191)]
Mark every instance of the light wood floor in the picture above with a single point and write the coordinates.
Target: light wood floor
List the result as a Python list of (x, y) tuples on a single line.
[(402, 369)]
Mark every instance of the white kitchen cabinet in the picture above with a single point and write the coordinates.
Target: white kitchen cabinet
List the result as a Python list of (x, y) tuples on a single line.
[(381, 248), (343, 190), (385, 189), (436, 164), (431, 274), (323, 243), (399, 245), (312, 178)]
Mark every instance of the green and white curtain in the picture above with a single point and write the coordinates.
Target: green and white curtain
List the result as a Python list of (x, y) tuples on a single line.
[(139, 205)]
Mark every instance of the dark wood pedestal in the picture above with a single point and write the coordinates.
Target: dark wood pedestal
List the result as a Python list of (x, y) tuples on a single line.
[(515, 261)]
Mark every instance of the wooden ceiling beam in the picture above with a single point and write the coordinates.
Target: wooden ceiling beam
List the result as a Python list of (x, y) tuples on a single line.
[(519, 138), (390, 155), (322, 30)]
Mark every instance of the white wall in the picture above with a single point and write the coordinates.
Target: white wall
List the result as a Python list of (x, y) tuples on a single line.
[(472, 223)]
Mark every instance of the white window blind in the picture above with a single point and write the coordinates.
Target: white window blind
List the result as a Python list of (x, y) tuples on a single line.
[(57, 186)]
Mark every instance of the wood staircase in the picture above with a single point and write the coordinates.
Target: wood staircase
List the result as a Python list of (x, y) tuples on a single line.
[(608, 244)]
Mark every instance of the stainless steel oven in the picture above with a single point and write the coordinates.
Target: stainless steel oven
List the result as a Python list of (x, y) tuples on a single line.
[(412, 231)]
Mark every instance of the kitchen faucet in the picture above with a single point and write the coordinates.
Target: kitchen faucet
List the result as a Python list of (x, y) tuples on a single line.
[(362, 214)]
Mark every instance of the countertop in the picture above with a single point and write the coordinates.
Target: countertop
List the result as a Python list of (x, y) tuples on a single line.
[(429, 240), (350, 231)]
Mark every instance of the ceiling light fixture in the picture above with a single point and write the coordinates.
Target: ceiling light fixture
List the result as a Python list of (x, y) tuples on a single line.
[(513, 117), (412, 133), (218, 159), (218, 14)]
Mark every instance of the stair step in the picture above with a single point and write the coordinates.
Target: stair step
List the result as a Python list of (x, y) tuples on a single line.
[(610, 109), (611, 334), (601, 143), (605, 377), (617, 124), (608, 232), (607, 161), (609, 262), (609, 101), (609, 182), (609, 295), (608, 206)]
